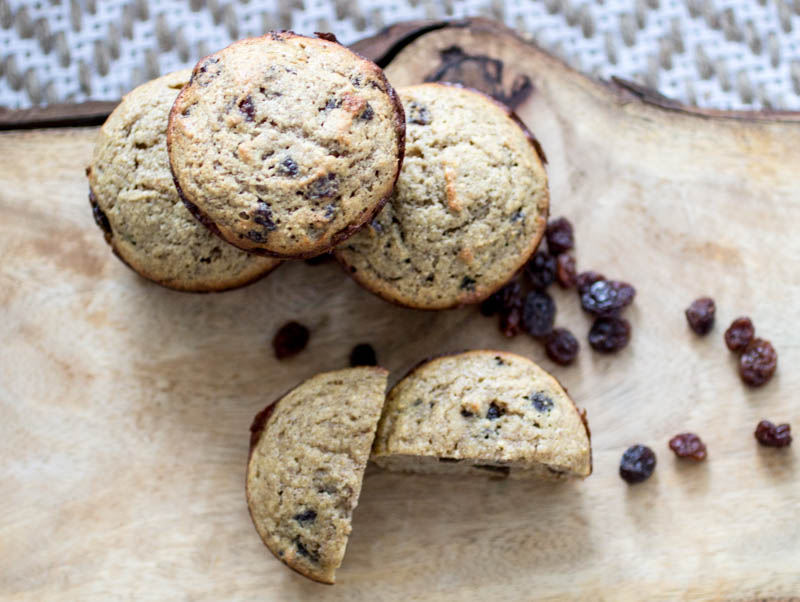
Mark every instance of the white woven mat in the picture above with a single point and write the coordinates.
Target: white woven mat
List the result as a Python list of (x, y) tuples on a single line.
[(712, 53)]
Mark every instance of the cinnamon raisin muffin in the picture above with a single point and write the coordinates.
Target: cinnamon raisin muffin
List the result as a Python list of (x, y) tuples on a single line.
[(285, 145), (135, 202), (483, 413), (469, 208), (308, 453)]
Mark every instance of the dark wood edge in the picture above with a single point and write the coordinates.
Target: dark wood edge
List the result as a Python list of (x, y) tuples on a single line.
[(382, 48)]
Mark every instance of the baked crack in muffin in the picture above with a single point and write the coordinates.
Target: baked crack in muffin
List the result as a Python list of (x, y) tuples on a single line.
[(484, 412), (285, 145), (469, 208), (308, 453), (135, 203)]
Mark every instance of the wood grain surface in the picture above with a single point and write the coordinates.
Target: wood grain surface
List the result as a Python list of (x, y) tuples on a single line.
[(125, 406)]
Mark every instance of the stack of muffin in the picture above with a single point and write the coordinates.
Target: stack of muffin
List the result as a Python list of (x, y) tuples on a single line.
[(287, 147)]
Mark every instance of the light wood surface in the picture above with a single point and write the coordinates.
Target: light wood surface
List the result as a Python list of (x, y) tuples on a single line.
[(125, 407)]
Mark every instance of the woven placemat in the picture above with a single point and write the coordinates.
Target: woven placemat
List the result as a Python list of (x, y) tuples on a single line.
[(727, 54)]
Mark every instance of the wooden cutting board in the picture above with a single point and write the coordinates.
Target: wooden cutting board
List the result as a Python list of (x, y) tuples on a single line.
[(126, 407)]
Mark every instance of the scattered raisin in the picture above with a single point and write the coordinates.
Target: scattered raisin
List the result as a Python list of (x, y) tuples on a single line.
[(263, 216), (609, 334), (700, 315), (511, 322), (607, 297), (467, 284), (688, 445), (541, 402), (586, 279), (324, 187), (773, 435), (247, 107), (541, 270), (303, 551), (309, 516), (363, 355), (495, 411), (561, 346), (538, 313), (466, 413), (507, 297), (559, 236), (290, 340), (739, 334), (566, 273), (101, 219), (288, 167), (637, 464), (367, 114), (418, 114), (758, 362)]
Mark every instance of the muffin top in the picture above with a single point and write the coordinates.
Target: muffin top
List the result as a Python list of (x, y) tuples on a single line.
[(136, 204), (286, 145), (469, 208)]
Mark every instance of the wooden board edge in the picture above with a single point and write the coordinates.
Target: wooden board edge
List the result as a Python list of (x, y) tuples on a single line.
[(382, 48)]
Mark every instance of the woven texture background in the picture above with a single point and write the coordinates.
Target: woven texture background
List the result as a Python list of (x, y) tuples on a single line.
[(736, 54)]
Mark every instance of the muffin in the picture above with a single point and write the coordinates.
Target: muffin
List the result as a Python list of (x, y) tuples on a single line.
[(469, 208), (308, 453), (285, 145), (484, 412), (135, 202)]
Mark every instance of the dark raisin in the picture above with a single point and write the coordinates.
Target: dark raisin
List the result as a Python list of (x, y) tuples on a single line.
[(467, 284), (559, 236), (541, 402), (319, 259), (367, 114), (100, 218), (263, 216), (324, 187), (207, 71), (418, 114), (541, 270), (256, 236), (538, 313), (566, 273), (495, 411), (516, 216), (466, 413), (247, 107), (499, 360), (332, 104), (288, 167), (773, 435), (758, 362), (637, 464), (739, 334), (609, 334), (507, 297), (607, 297), (290, 340), (700, 315), (586, 279), (363, 355), (330, 37), (451, 460), (330, 211), (688, 445), (511, 321), (561, 346), (308, 516), (303, 551)]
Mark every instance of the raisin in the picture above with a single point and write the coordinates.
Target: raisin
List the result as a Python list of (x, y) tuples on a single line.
[(566, 273), (758, 362), (511, 321), (739, 334), (319, 259), (541, 270), (247, 107), (324, 187), (495, 411), (418, 114), (290, 340), (561, 346), (263, 216), (303, 551), (700, 315), (309, 516), (466, 413), (559, 236), (607, 297), (367, 114), (288, 167), (586, 279), (688, 445), (609, 334), (773, 435), (541, 402), (256, 236), (467, 284), (332, 103), (506, 297), (101, 219), (516, 216), (538, 313), (363, 355), (637, 464)]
